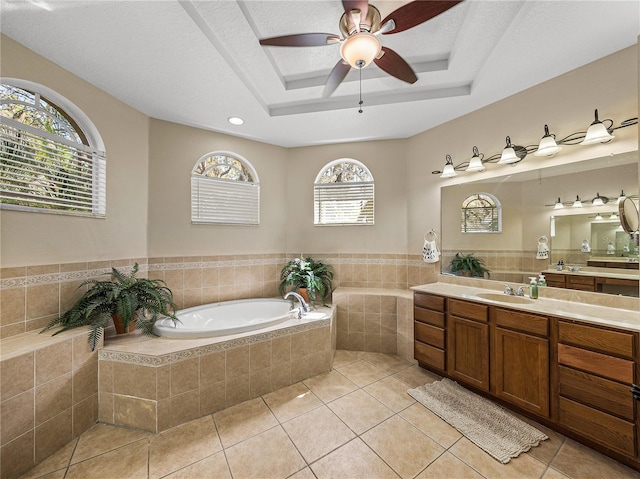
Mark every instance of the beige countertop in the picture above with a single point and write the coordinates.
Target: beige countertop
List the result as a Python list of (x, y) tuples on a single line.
[(602, 315)]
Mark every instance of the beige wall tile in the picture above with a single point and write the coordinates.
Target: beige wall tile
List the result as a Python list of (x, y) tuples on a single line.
[(42, 269), (17, 272), (174, 279), (53, 434), (237, 390), (163, 420), (226, 276), (238, 362), (210, 277), (192, 297), (124, 378), (82, 353), (372, 342), (134, 412), (356, 303), (212, 368), (70, 292), (16, 375), (260, 383), (185, 376), (105, 407), (16, 416), (17, 457), (356, 322), (280, 350), (12, 330), (299, 369), (372, 323), (85, 415), (260, 356), (105, 376), (43, 300), (163, 382), (53, 397), (185, 407), (212, 398), (193, 278), (281, 375), (388, 343), (319, 339), (53, 361), (85, 382), (12, 305), (299, 345)]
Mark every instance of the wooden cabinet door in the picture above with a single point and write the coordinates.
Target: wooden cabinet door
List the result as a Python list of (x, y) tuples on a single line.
[(468, 351), (521, 370)]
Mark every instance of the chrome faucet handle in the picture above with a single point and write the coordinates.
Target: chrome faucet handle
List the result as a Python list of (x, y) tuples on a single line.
[(520, 291), (304, 307), (508, 289)]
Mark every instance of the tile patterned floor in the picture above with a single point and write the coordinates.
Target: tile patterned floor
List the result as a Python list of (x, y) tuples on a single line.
[(356, 421)]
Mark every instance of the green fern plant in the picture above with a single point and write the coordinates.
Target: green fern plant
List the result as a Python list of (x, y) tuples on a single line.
[(134, 300), (308, 273), (468, 265)]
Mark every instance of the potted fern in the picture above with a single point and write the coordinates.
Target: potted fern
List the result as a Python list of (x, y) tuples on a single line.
[(468, 265), (302, 274), (124, 299)]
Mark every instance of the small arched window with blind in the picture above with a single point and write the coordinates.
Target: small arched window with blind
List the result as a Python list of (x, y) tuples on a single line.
[(343, 194), (225, 190), (52, 157), (481, 213)]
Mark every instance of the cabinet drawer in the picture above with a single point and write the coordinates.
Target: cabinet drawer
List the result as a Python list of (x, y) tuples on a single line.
[(429, 334), (429, 355), (610, 431), (604, 394), (606, 366), (529, 323), (604, 340), (580, 280), (428, 316), (466, 309), (429, 301), (555, 278)]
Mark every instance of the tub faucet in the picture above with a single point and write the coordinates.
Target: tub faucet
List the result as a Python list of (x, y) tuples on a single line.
[(510, 291), (304, 307)]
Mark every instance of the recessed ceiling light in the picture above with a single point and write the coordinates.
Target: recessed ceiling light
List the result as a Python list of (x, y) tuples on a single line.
[(235, 120)]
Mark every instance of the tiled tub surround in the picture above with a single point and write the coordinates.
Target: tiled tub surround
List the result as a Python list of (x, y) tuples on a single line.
[(30, 296), (155, 383), (375, 320), (49, 395)]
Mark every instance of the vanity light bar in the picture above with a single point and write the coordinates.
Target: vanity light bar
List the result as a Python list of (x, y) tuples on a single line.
[(559, 204), (548, 146)]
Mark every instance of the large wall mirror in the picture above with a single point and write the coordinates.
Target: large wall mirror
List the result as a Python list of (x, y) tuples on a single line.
[(588, 239)]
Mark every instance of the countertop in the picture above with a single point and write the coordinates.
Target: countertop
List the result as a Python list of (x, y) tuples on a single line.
[(601, 315)]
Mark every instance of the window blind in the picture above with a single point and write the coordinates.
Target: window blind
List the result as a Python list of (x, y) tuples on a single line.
[(344, 203), (220, 201), (40, 172)]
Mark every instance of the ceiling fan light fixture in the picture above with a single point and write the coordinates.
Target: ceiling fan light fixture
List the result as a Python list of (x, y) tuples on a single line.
[(360, 49)]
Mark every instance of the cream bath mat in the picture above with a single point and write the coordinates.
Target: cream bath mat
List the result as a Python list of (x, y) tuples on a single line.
[(487, 425)]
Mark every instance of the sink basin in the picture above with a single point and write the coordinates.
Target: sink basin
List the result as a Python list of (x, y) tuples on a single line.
[(505, 298)]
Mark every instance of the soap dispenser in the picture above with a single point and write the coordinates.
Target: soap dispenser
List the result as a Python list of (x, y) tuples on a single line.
[(533, 288), (541, 280)]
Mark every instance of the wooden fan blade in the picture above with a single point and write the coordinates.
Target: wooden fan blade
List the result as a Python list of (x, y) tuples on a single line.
[(396, 66), (301, 40), (362, 5), (415, 13), (335, 78)]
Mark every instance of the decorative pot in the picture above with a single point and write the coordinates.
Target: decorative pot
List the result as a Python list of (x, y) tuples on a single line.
[(304, 293), (120, 329)]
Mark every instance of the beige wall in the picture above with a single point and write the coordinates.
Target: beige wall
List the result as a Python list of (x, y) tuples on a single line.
[(149, 163), (34, 238), (174, 151), (565, 103), (386, 162)]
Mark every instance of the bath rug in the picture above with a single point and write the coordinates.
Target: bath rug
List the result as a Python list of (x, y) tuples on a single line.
[(487, 425)]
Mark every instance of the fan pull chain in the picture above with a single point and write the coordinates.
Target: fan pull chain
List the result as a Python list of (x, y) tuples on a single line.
[(360, 102)]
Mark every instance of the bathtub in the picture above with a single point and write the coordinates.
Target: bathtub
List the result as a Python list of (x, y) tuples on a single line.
[(225, 318)]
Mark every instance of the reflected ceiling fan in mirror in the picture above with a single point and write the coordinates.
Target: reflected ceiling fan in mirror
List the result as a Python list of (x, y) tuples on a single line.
[(361, 27)]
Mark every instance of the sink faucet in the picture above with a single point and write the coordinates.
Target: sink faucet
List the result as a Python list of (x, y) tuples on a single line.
[(304, 307), (510, 291)]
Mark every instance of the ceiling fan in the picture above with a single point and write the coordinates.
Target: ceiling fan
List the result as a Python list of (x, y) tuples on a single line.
[(360, 26)]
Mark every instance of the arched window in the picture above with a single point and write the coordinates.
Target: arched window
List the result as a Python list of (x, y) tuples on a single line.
[(52, 157), (343, 194), (225, 189), (481, 213)]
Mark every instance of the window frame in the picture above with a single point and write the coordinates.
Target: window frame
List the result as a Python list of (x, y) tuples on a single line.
[(91, 147), (224, 189), (343, 191), (496, 215)]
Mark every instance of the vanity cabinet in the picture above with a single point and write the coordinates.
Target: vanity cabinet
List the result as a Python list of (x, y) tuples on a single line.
[(596, 369), (468, 343), (569, 375), (555, 280), (429, 330), (520, 359)]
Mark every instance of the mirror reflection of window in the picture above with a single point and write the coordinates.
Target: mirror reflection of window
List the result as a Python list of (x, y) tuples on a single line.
[(481, 213)]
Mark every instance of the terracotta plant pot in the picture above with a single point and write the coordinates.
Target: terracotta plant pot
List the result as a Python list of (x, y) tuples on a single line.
[(120, 329), (304, 293)]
